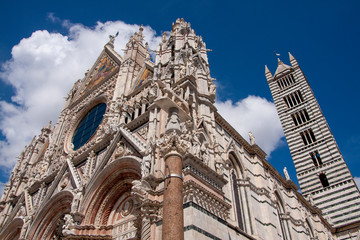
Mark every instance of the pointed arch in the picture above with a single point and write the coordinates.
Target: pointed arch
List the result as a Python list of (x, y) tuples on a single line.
[(280, 202), (238, 198), (13, 230), (280, 208), (104, 191), (236, 163), (46, 221)]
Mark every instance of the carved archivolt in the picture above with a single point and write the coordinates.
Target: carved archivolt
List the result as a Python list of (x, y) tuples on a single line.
[(13, 230), (107, 187), (46, 222)]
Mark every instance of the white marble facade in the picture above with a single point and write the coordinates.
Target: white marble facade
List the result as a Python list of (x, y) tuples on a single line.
[(110, 185)]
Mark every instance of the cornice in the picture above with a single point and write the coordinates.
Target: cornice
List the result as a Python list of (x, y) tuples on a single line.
[(252, 149)]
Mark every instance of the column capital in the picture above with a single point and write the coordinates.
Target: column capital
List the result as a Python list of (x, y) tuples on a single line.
[(172, 144)]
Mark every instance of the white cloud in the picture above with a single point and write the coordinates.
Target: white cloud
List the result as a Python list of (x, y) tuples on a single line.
[(257, 115), (42, 70), (357, 181)]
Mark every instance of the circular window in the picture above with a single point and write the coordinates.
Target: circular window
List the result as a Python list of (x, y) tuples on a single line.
[(88, 125)]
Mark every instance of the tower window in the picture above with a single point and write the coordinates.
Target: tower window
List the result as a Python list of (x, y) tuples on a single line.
[(300, 117), (323, 179), (286, 81), (315, 156), (293, 99), (308, 137)]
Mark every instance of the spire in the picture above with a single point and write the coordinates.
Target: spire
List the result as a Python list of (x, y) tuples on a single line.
[(268, 74), (49, 125), (267, 69), (291, 57), (293, 61), (141, 29)]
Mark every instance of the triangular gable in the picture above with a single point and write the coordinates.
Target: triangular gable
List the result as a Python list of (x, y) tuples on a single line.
[(133, 142), (104, 69), (202, 127), (106, 66), (144, 75)]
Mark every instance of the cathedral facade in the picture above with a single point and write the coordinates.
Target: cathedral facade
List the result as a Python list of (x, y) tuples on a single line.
[(140, 152)]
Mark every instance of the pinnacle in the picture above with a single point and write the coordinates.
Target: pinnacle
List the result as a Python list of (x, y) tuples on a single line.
[(291, 57), (267, 69)]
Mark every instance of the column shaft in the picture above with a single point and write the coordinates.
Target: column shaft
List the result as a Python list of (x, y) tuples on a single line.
[(173, 213)]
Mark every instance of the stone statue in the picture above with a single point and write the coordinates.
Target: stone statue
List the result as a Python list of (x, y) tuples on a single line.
[(212, 89), (164, 37), (219, 167), (69, 221), (310, 199), (252, 138), (158, 72), (182, 71), (76, 201), (196, 145), (287, 177), (140, 189), (120, 149), (146, 163), (173, 120), (206, 156)]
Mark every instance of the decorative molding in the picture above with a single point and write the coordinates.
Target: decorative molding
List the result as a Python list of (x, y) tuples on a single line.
[(193, 192)]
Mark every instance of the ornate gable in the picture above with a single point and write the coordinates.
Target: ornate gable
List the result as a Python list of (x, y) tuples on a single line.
[(146, 73), (104, 68)]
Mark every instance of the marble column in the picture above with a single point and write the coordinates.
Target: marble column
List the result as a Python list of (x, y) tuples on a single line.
[(173, 212)]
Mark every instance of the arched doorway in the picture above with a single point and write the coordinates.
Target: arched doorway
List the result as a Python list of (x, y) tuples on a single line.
[(108, 203), (49, 221)]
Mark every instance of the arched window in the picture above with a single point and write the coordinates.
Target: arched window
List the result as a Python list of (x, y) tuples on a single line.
[(237, 201), (323, 179), (236, 191), (280, 212)]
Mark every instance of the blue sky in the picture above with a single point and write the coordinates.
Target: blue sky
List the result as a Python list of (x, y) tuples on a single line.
[(323, 36)]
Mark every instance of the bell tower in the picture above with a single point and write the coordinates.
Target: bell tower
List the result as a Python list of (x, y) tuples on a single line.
[(324, 178)]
